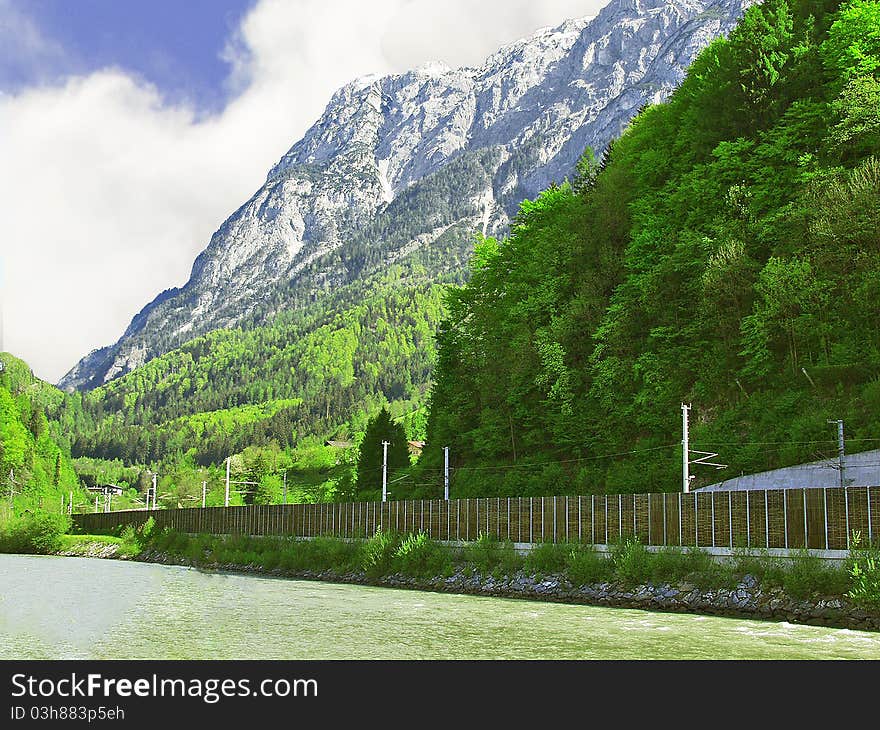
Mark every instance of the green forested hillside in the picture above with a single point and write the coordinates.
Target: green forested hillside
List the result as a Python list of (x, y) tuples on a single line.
[(267, 396), (726, 253), (34, 471), (319, 371)]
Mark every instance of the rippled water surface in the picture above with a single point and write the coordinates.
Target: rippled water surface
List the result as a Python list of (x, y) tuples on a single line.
[(81, 608)]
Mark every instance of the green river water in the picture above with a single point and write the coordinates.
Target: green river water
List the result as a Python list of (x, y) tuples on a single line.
[(80, 608)]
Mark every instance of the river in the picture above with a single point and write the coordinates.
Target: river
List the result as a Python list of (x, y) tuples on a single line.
[(82, 608)]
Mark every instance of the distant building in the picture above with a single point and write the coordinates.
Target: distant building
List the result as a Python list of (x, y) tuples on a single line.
[(415, 447), (339, 444), (859, 470), (106, 489)]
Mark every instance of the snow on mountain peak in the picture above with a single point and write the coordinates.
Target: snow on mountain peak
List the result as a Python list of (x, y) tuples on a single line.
[(397, 163)]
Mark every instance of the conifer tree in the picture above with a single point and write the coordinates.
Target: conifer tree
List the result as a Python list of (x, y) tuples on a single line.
[(369, 466)]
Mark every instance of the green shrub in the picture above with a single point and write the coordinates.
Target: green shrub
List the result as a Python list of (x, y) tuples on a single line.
[(419, 556), (179, 543), (194, 551), (45, 529), (698, 561), (287, 560), (160, 539), (34, 533), (547, 558), (378, 554), (631, 561), (330, 553), (299, 555), (808, 575), (131, 542), (670, 564), (481, 553), (250, 558), (714, 575), (863, 569), (491, 556), (509, 560), (759, 563), (584, 565)]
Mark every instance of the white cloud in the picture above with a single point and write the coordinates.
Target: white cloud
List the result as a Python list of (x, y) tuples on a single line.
[(463, 33), (109, 192)]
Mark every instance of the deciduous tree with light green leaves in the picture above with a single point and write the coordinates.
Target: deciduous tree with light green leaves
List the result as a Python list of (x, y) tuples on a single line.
[(726, 254)]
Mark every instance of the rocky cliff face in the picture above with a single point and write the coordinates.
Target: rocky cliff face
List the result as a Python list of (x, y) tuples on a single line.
[(414, 164)]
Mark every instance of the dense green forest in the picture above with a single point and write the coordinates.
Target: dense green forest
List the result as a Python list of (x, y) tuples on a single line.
[(725, 252), (35, 472), (323, 370)]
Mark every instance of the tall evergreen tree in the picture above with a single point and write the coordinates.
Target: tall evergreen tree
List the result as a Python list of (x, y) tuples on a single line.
[(369, 466)]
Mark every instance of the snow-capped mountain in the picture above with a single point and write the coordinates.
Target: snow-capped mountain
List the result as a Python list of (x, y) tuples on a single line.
[(401, 164)]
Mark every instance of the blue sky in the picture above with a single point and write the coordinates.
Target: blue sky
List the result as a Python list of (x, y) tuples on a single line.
[(175, 44), (130, 129)]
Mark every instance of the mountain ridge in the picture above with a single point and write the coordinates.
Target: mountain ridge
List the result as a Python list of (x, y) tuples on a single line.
[(398, 163)]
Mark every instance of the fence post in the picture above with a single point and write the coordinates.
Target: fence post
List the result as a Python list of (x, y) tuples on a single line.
[(846, 503), (554, 520), (531, 520), (680, 528), (593, 518), (567, 535), (806, 536), (730, 516), (620, 517), (870, 527), (825, 511), (543, 538), (749, 518), (767, 520), (785, 516), (580, 519), (664, 519), (712, 495), (635, 521), (519, 519), (605, 499)]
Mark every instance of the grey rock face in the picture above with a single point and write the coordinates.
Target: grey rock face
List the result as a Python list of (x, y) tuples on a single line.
[(397, 163)]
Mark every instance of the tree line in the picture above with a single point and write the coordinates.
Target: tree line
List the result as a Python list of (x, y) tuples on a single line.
[(723, 253)]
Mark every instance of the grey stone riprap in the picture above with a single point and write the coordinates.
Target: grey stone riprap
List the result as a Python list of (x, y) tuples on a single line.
[(747, 600)]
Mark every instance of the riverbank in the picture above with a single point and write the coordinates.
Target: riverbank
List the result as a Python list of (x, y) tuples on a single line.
[(749, 588), (96, 546)]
